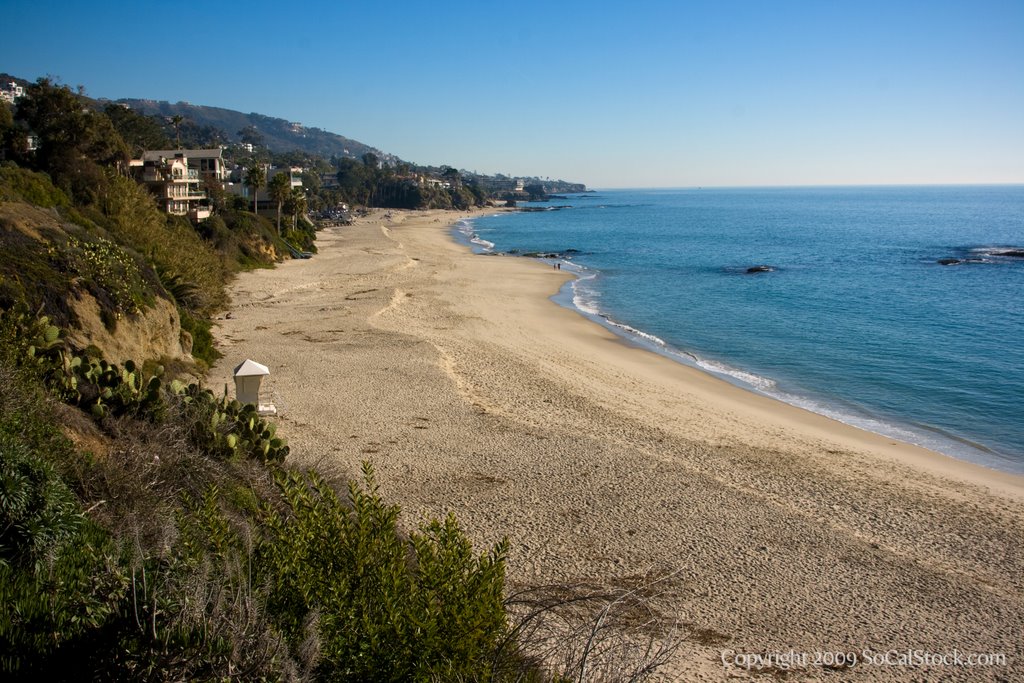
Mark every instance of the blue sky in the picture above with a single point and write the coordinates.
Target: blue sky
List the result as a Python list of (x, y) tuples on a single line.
[(641, 94)]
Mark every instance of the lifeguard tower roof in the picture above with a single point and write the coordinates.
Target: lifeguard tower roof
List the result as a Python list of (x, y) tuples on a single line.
[(250, 368)]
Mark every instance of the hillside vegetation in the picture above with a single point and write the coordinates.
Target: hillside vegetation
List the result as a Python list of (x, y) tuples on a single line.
[(151, 530)]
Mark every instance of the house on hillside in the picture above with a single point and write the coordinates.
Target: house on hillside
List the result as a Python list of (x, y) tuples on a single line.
[(236, 184), (294, 175), (438, 183), (177, 187), (208, 163), (11, 91)]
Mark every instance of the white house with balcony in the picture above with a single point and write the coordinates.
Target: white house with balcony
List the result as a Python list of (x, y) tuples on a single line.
[(177, 187), (208, 163)]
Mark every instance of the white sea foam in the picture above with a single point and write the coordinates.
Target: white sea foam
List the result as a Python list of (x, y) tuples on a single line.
[(584, 298), (653, 339), (467, 228), (756, 381)]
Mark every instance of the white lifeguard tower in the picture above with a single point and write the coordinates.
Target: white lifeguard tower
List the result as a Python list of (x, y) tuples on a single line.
[(248, 377)]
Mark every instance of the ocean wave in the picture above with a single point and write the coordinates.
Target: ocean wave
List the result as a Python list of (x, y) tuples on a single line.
[(757, 381), (653, 339), (586, 299), (466, 228), (920, 435), (583, 298)]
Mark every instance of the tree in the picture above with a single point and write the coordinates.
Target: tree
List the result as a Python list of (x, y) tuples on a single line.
[(7, 128), (353, 179), (215, 190), (280, 188), (311, 181), (452, 176), (140, 132), (176, 121), (296, 205), (74, 140), (254, 178), (251, 135)]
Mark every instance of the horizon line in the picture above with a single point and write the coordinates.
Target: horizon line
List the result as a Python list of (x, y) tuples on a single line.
[(802, 185)]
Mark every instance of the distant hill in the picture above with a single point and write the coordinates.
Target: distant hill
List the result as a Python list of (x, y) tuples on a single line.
[(277, 135), (7, 78), (210, 126)]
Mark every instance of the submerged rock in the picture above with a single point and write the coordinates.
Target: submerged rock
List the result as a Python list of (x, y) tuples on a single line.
[(760, 269), (527, 209), (1015, 253), (564, 255), (949, 261)]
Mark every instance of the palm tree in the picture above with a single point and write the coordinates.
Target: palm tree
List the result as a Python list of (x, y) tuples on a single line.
[(280, 188), (254, 178), (296, 204), (176, 120)]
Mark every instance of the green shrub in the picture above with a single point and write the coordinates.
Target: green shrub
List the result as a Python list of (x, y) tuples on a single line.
[(226, 429), (169, 242), (37, 510), (69, 597), (348, 594), (203, 349), (60, 575), (32, 187), (28, 275), (111, 274), (389, 608)]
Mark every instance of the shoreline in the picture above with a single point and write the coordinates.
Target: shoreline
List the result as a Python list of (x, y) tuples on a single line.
[(935, 462), (472, 392), (889, 428)]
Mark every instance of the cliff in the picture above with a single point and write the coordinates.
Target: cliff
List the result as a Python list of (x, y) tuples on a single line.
[(57, 266)]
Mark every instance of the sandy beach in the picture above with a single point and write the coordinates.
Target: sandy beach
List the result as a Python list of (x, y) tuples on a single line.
[(471, 392)]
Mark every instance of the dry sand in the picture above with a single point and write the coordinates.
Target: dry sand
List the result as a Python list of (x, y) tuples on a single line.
[(470, 391)]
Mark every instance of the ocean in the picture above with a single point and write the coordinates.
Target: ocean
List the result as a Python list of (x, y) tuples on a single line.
[(852, 315)]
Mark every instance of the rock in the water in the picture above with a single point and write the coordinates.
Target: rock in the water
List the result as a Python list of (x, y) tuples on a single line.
[(949, 261), (1016, 253), (760, 269)]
